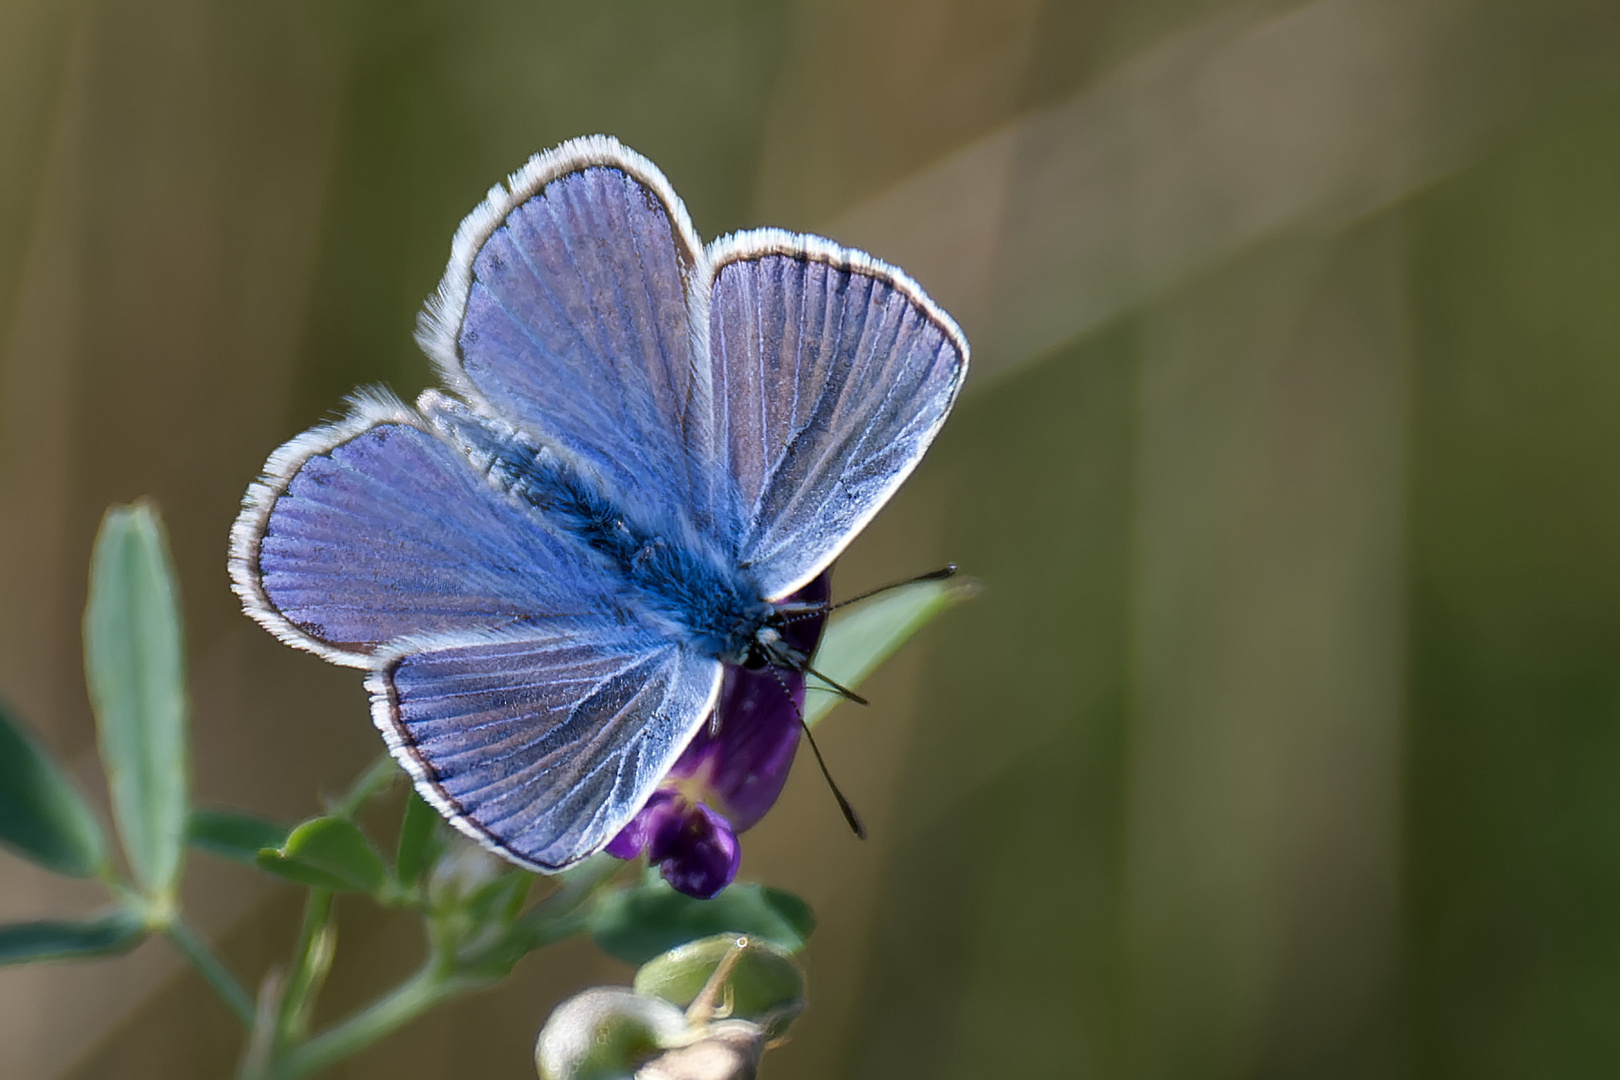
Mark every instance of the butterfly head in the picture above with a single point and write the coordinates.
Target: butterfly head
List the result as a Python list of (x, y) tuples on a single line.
[(768, 648)]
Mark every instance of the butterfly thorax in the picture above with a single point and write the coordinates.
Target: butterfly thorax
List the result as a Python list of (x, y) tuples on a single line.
[(668, 573)]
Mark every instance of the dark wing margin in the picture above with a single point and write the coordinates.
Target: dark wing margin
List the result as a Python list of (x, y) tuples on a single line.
[(833, 373), (538, 744), (568, 308)]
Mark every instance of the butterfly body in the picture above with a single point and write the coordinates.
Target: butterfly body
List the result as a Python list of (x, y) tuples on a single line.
[(667, 571), (644, 447)]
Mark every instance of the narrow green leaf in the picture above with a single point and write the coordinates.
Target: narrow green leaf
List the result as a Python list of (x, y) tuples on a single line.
[(639, 923), (420, 840), (135, 666), (238, 837), (42, 815), (26, 943), (327, 853), (862, 636)]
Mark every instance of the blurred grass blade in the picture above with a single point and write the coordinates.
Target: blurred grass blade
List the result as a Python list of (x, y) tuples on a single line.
[(862, 636), (24, 943), (327, 853), (136, 671), (42, 816), (238, 837)]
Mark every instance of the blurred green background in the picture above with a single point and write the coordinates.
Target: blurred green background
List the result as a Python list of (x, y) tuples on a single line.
[(1285, 739)]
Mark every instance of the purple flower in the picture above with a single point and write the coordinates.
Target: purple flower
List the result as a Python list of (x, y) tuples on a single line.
[(730, 773)]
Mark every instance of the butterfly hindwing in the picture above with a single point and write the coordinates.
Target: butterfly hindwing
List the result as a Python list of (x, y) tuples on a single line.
[(833, 374), (541, 742)]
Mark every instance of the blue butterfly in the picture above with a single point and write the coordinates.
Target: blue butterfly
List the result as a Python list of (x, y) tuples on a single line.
[(646, 444)]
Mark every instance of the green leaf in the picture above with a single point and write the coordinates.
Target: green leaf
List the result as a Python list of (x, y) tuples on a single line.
[(238, 837), (863, 635), (639, 923), (42, 815), (764, 984), (135, 666), (558, 915), (481, 924), (500, 900), (25, 943), (327, 853), (420, 840), (792, 909)]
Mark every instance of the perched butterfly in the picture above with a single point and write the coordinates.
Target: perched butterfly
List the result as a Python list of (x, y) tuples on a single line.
[(646, 446)]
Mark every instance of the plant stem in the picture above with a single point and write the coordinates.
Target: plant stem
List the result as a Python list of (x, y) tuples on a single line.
[(312, 957), (378, 775), (195, 949), (443, 976), (399, 1006), (559, 914)]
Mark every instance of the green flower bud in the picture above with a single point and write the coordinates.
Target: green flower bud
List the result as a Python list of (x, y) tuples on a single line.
[(462, 870), (762, 983), (606, 1033)]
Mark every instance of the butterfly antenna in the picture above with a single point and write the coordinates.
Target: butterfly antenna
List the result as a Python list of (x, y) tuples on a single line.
[(842, 691), (946, 571), (850, 816)]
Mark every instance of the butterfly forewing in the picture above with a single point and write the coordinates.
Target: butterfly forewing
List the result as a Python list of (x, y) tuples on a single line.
[(375, 528), (566, 310), (833, 373)]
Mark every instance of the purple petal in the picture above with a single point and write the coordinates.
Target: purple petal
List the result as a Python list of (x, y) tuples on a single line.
[(804, 634), (703, 746), (759, 734), (697, 852), (745, 763), (634, 836)]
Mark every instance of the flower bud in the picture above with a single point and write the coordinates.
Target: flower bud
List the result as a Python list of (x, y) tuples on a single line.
[(727, 1050), (607, 1033), (462, 870), (704, 1011), (761, 982)]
